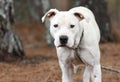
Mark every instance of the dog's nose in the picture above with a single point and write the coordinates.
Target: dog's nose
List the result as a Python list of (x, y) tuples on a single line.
[(63, 40)]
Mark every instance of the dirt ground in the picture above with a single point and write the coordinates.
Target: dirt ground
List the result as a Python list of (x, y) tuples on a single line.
[(42, 64)]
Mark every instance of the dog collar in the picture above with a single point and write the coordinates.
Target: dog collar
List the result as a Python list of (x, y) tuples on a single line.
[(81, 38)]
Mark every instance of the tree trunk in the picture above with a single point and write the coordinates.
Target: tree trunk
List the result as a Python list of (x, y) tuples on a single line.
[(45, 7), (35, 9), (10, 42)]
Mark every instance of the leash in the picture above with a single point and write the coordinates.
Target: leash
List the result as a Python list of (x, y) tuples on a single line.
[(77, 48)]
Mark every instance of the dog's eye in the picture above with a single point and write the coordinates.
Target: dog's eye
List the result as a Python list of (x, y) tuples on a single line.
[(72, 26), (56, 25)]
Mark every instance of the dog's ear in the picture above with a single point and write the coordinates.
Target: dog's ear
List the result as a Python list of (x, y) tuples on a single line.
[(78, 15), (51, 13)]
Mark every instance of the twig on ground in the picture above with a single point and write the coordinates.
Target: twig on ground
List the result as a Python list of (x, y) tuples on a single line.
[(111, 69), (33, 45)]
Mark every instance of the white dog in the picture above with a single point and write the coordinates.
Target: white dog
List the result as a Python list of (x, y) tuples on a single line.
[(76, 32)]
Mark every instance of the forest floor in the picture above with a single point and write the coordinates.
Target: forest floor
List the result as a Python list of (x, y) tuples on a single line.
[(42, 65)]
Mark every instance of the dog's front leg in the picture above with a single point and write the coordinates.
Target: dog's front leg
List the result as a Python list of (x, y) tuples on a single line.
[(86, 76), (66, 68), (96, 73), (64, 56)]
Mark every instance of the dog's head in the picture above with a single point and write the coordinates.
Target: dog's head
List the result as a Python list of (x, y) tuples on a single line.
[(64, 27)]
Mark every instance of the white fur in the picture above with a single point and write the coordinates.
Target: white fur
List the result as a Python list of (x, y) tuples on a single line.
[(89, 44)]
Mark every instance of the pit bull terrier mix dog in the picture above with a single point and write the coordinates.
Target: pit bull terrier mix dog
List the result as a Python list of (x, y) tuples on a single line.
[(76, 32)]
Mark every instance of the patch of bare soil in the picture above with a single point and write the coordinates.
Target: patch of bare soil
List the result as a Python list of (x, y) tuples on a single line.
[(41, 64)]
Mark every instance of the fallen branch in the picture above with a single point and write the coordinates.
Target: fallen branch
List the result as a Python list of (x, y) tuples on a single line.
[(111, 69), (33, 45)]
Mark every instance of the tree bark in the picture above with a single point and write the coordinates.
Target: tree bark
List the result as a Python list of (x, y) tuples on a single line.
[(10, 42), (35, 9)]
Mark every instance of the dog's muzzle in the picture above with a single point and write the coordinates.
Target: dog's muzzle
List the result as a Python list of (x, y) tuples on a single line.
[(63, 40)]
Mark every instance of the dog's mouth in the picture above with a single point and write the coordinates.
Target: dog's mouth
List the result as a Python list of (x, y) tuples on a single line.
[(65, 46), (62, 46)]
